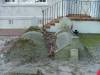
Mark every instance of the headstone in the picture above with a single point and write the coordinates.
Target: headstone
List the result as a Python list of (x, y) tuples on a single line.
[(74, 54), (65, 23), (63, 39)]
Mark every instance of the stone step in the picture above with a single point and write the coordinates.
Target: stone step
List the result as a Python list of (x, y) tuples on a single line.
[(50, 39), (52, 22)]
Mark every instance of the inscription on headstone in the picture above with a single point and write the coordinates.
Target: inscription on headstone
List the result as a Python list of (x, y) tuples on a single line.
[(74, 54)]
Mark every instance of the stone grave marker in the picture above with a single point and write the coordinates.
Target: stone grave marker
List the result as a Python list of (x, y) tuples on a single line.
[(74, 54)]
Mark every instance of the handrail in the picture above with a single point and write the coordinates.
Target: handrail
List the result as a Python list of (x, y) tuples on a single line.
[(71, 7), (51, 12), (67, 8)]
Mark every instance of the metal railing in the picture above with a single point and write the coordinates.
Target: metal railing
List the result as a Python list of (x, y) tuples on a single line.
[(52, 12), (89, 8), (71, 7)]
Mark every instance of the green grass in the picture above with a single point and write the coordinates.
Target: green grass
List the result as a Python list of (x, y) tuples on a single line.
[(89, 39)]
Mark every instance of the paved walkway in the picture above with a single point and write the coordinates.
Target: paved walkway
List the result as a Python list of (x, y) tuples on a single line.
[(53, 68), (11, 32)]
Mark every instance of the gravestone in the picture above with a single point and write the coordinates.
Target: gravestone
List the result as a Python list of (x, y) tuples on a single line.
[(74, 55), (63, 39)]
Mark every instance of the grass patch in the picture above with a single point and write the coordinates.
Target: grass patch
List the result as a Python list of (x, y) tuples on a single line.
[(89, 39)]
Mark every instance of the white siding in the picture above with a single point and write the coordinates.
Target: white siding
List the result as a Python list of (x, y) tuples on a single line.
[(22, 15), (28, 14), (31, 11)]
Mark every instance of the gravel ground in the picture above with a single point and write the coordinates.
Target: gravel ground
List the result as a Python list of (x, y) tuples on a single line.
[(52, 68)]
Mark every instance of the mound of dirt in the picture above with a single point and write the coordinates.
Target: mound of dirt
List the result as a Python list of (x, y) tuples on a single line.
[(29, 47)]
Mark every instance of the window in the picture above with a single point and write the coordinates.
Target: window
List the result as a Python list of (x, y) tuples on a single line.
[(25, 1), (40, 0), (9, 0), (6, 0)]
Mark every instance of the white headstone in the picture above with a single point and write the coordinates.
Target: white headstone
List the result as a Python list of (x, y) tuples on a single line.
[(74, 54)]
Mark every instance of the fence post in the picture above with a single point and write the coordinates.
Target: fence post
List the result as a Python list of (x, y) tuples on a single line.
[(57, 10), (62, 8), (43, 18)]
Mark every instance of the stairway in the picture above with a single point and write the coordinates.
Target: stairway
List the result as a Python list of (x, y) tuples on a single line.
[(60, 9), (50, 39)]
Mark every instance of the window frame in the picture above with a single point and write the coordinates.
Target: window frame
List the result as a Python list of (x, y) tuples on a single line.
[(10, 1), (19, 1), (40, 1)]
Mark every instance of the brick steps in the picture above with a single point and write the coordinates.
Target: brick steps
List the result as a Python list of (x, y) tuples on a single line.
[(77, 17), (51, 37), (52, 23)]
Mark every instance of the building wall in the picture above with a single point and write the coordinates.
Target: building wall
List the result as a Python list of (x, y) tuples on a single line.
[(24, 9), (21, 15), (25, 15), (87, 26)]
